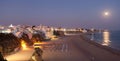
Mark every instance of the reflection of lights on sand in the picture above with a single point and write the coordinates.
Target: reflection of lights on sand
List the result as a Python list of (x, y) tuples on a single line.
[(23, 44), (106, 40), (37, 45), (54, 37)]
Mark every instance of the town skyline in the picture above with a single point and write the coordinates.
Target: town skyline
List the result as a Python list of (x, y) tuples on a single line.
[(63, 13)]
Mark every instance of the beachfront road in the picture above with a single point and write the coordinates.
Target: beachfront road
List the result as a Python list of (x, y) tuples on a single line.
[(74, 48)]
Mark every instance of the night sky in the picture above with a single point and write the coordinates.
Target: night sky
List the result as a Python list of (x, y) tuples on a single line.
[(61, 13)]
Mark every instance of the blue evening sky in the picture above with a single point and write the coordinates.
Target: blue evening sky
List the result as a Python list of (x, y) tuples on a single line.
[(61, 13)]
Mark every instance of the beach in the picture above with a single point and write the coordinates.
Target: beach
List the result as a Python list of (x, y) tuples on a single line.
[(79, 48)]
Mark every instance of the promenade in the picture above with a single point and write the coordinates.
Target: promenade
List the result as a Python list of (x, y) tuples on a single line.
[(22, 55)]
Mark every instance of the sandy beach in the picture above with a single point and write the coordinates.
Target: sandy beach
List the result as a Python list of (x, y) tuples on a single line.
[(78, 48), (97, 51)]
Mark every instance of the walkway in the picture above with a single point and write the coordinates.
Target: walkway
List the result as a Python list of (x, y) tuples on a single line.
[(22, 55)]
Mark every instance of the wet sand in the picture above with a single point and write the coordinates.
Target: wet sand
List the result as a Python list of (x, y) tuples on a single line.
[(78, 48)]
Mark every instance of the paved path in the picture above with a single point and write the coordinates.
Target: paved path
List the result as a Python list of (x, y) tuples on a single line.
[(22, 55)]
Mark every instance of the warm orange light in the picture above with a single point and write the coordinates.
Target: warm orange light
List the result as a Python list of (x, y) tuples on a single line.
[(37, 45), (23, 44)]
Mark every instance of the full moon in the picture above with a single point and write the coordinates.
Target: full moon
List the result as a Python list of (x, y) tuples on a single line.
[(106, 13)]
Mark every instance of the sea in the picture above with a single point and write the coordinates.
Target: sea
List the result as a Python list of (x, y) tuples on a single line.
[(107, 38)]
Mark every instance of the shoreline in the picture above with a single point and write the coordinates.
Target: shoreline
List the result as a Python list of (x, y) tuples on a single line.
[(93, 50), (107, 48), (79, 48)]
